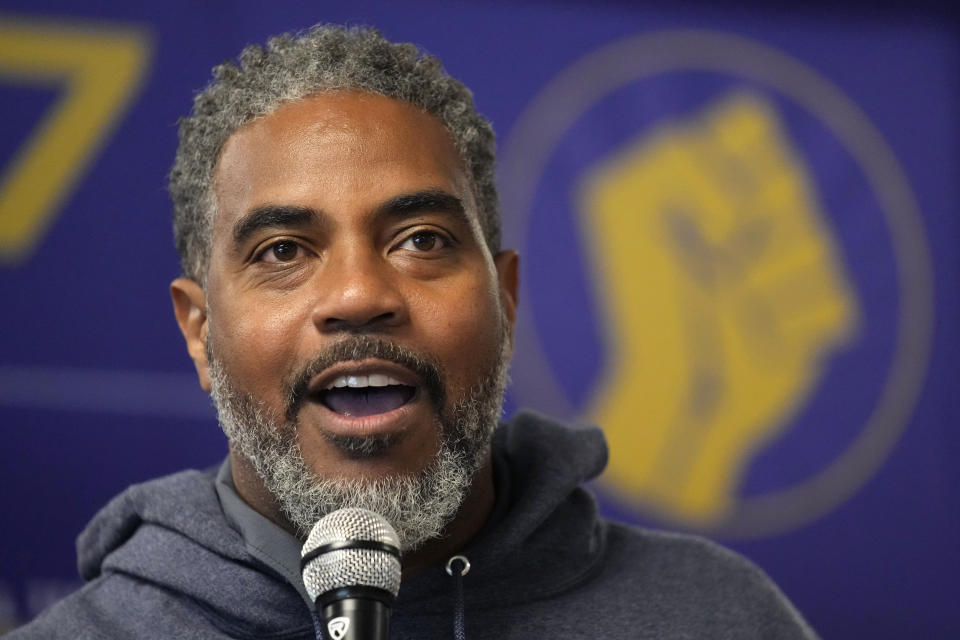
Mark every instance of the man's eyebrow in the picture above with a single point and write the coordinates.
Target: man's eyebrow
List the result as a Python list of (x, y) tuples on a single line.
[(427, 201), (271, 216)]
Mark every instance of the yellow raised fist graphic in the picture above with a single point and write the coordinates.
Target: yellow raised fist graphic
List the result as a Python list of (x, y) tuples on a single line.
[(725, 295)]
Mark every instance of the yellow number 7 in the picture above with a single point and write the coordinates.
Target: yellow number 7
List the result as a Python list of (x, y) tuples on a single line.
[(99, 68)]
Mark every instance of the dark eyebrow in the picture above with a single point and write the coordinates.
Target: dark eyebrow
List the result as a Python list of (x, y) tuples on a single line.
[(271, 216), (427, 201)]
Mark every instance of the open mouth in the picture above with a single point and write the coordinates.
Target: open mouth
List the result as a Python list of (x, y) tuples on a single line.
[(365, 395)]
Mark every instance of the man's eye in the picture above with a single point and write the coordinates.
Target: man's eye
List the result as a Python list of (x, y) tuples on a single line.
[(283, 251), (424, 241)]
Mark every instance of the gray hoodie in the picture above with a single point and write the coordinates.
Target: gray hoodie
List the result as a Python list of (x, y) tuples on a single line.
[(162, 561)]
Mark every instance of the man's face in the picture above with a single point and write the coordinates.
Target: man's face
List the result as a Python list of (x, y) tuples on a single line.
[(350, 296)]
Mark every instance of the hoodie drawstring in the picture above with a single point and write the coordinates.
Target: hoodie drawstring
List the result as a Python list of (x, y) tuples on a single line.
[(459, 632)]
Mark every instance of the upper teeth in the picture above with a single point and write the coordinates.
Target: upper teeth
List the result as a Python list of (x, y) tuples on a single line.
[(373, 380)]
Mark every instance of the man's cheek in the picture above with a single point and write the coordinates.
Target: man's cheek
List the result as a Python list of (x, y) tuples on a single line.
[(263, 346), (473, 332)]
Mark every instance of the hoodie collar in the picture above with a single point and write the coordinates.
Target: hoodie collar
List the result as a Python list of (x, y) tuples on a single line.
[(264, 540)]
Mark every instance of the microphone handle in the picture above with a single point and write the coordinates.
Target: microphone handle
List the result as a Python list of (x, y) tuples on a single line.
[(356, 619)]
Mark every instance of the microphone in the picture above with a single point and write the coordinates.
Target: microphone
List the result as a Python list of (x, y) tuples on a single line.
[(351, 569)]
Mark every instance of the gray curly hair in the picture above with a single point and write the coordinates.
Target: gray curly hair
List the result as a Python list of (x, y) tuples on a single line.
[(294, 66)]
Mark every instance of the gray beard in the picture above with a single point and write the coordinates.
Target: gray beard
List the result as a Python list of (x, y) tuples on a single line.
[(419, 506)]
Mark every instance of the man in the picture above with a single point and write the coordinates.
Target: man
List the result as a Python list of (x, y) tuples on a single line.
[(346, 303)]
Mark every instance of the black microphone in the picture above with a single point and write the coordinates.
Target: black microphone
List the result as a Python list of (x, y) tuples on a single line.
[(351, 568)]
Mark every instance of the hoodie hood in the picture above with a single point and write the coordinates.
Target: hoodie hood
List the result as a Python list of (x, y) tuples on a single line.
[(172, 533)]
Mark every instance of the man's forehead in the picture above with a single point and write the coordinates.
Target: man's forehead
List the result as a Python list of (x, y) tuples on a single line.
[(337, 144)]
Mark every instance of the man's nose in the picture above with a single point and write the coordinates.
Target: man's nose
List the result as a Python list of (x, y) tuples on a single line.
[(359, 292)]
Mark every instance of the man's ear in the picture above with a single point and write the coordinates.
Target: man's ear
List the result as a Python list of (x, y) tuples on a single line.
[(190, 307), (508, 267)]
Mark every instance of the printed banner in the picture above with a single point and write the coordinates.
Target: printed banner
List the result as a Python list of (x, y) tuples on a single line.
[(737, 227)]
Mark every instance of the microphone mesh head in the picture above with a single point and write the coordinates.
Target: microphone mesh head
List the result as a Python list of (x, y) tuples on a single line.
[(351, 567)]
